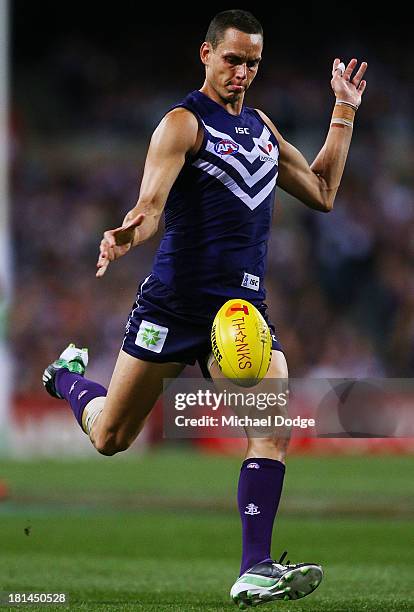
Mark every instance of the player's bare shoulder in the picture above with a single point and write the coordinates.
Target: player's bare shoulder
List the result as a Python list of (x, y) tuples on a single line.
[(180, 127), (270, 125), (181, 117)]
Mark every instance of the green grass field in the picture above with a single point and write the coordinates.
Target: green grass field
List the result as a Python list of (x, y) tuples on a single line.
[(160, 532)]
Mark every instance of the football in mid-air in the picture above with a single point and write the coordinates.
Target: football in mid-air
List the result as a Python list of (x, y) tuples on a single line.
[(241, 342)]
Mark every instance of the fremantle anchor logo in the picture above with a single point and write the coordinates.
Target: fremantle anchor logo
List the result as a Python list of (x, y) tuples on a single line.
[(252, 509)]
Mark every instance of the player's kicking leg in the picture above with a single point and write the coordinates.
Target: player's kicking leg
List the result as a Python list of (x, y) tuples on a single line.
[(261, 579), (112, 418)]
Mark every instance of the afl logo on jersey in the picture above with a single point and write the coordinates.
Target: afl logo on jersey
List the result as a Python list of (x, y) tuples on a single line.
[(226, 147)]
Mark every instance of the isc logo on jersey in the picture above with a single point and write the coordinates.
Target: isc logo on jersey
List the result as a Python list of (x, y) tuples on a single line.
[(241, 342), (226, 147)]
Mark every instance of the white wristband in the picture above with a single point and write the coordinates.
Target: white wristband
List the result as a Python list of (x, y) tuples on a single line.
[(354, 106)]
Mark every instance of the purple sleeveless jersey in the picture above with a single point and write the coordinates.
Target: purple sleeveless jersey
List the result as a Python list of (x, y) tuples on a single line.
[(219, 210)]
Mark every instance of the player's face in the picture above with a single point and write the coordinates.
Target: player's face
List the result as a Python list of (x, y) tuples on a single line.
[(233, 64)]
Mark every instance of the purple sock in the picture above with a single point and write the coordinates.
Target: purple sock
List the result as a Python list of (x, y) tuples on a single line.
[(78, 391), (260, 488)]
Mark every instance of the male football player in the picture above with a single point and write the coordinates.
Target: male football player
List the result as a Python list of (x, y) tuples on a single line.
[(212, 167)]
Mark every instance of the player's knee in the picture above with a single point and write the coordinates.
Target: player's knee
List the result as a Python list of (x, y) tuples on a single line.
[(272, 447), (110, 443)]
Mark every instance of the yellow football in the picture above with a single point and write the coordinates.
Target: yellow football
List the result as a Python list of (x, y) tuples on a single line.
[(241, 342)]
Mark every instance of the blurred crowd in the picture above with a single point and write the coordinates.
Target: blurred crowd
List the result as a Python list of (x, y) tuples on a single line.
[(340, 286)]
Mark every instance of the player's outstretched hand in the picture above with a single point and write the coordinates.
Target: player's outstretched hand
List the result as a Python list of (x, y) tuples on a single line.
[(347, 88), (116, 243)]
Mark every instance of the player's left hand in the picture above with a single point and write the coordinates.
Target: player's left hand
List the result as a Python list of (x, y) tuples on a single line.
[(347, 88)]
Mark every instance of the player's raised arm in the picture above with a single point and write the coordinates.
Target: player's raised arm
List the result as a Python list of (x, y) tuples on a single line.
[(316, 185), (173, 139)]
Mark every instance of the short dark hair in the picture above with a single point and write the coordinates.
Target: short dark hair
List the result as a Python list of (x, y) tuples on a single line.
[(240, 20)]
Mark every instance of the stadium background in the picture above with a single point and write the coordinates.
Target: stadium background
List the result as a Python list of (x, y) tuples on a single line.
[(88, 85)]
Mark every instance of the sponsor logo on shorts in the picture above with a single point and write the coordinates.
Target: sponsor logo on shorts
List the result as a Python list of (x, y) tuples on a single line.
[(226, 147), (151, 336), (250, 281), (253, 466)]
